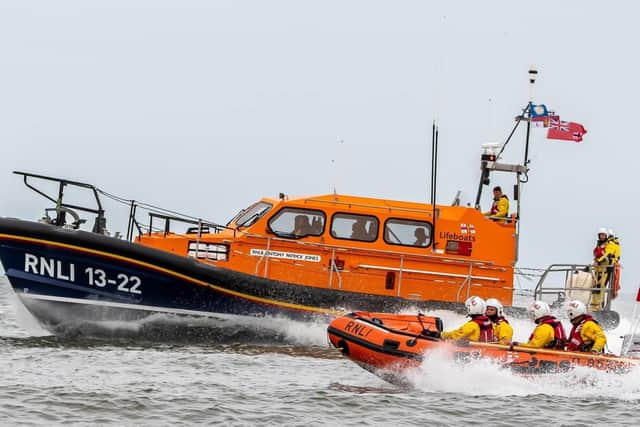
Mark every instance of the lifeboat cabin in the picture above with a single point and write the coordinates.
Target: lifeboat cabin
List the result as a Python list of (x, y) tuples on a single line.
[(360, 245)]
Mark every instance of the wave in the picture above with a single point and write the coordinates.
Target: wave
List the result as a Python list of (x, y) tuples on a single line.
[(439, 374)]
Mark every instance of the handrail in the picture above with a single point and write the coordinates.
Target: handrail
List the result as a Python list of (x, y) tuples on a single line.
[(478, 263), (605, 291), (361, 205), (99, 226), (200, 223), (333, 267), (467, 280), (426, 272)]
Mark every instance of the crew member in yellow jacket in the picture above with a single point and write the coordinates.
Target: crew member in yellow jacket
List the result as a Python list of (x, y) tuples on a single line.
[(586, 334), (607, 255), (499, 207), (479, 328), (549, 332), (613, 247), (502, 330)]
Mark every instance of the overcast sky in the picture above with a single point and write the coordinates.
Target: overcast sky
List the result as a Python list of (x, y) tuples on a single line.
[(204, 107)]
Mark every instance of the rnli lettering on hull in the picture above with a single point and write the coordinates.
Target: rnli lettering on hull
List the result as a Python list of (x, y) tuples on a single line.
[(49, 267), (286, 255), (455, 236), (93, 277), (357, 329)]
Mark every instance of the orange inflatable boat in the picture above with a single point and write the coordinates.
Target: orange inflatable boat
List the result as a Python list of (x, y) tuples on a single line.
[(389, 344)]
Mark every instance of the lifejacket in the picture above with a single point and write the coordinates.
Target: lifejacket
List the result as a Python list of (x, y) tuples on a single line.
[(598, 251), (559, 337), (486, 327), (501, 319), (496, 320), (494, 205), (576, 343)]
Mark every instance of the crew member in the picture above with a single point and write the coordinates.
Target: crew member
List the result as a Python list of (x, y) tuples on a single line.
[(586, 334), (605, 256), (479, 328), (549, 332), (601, 243), (499, 207), (613, 244), (502, 330)]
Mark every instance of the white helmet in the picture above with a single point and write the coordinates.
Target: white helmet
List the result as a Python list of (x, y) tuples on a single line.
[(475, 305), (538, 309), (576, 308), (492, 302), (611, 233), (603, 230)]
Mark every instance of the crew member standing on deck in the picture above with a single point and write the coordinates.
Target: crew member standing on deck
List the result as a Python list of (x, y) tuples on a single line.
[(613, 247), (601, 243), (502, 330), (479, 328), (586, 334), (605, 256), (500, 207), (549, 332)]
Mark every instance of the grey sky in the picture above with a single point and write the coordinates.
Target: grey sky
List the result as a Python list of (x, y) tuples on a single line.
[(204, 107)]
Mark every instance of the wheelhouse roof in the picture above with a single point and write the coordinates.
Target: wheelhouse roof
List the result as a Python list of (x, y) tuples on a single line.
[(372, 204)]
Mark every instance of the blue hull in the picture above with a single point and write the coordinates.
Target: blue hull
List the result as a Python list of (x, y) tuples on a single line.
[(69, 275)]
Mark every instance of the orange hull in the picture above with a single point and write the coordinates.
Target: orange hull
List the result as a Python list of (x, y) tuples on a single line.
[(389, 344)]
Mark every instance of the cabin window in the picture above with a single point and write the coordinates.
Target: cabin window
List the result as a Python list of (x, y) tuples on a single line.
[(296, 223), (354, 227), (407, 232), (250, 215)]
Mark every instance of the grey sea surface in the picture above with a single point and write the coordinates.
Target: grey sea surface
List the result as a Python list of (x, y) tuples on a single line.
[(276, 372)]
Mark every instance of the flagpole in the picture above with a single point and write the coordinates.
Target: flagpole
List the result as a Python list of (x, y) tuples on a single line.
[(533, 74)]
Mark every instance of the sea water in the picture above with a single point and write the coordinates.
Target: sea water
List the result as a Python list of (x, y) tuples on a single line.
[(273, 371)]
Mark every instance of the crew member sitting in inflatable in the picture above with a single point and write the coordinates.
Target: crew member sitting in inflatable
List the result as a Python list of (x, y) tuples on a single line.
[(586, 334), (479, 328), (502, 330), (549, 332)]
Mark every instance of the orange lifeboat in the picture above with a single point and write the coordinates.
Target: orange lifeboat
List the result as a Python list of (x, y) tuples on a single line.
[(388, 345), (297, 256)]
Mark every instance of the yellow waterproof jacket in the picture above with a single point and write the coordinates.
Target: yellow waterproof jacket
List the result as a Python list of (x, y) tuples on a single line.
[(591, 332), (469, 331), (542, 336), (502, 332), (611, 253), (613, 247), (500, 207)]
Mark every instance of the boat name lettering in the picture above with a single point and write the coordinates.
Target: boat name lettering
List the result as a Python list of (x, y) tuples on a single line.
[(455, 236), (285, 255), (126, 283), (49, 267), (357, 329)]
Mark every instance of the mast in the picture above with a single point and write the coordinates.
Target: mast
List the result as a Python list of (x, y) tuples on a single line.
[(489, 160), (434, 178), (533, 74)]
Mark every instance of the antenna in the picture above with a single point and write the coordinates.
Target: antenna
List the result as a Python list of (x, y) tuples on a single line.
[(533, 75), (334, 163)]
